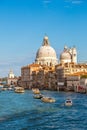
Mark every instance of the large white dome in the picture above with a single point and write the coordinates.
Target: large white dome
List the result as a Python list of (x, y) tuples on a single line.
[(45, 51), (46, 55)]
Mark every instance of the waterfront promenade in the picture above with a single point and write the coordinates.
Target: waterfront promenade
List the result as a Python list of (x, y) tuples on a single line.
[(23, 112)]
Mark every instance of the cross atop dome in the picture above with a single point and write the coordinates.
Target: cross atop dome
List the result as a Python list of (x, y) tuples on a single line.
[(46, 41), (65, 48)]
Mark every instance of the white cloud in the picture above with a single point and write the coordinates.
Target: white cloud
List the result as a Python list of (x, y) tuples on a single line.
[(46, 2), (67, 6), (77, 2), (71, 3), (67, 1), (74, 2)]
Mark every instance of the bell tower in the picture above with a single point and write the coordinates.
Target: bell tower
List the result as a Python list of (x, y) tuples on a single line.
[(11, 74), (74, 55)]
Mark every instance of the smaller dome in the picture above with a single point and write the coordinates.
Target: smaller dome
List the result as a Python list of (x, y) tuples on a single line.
[(65, 55)]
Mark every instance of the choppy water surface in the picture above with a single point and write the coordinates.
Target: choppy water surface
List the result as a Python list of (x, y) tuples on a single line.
[(23, 112)]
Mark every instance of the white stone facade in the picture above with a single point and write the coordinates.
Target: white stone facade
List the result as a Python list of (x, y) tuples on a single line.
[(11, 80), (11, 74), (68, 55)]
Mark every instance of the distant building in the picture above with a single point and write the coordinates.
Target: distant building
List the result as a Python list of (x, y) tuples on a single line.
[(83, 85), (41, 76), (83, 82), (11, 79), (11, 74), (69, 73)]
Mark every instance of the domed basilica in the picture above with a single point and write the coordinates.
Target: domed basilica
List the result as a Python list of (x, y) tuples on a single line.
[(46, 55)]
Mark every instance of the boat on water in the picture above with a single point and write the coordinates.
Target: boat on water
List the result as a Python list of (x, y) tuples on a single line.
[(10, 88), (36, 90), (3, 88), (68, 102), (48, 99), (38, 96), (19, 90)]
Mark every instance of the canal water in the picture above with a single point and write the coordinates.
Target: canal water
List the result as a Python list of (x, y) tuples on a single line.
[(23, 112)]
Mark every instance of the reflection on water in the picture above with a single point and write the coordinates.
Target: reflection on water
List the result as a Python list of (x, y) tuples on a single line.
[(23, 112)]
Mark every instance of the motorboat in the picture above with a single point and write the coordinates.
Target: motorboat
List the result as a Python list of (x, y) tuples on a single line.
[(68, 102), (3, 88), (10, 88), (19, 90), (48, 99), (38, 96), (36, 90)]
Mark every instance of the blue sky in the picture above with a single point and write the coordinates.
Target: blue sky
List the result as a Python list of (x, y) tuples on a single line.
[(24, 23)]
